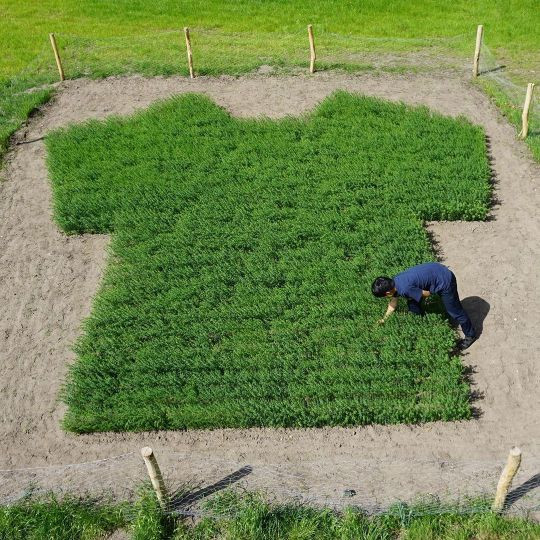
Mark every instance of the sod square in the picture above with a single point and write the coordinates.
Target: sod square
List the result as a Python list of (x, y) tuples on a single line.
[(238, 287)]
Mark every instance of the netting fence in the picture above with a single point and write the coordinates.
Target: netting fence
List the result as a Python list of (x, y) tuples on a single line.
[(510, 95), (218, 53), (201, 485)]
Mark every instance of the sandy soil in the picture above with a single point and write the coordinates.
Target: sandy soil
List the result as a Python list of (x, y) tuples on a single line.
[(49, 280)]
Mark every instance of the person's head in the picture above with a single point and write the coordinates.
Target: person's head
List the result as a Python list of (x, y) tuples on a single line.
[(383, 286)]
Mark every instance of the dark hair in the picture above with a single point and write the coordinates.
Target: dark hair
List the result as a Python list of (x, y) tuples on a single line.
[(382, 285)]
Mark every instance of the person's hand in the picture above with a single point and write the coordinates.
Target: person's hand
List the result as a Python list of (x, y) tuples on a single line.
[(380, 321)]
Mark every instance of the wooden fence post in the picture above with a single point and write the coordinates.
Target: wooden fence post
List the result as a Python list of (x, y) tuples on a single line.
[(312, 55), (479, 34), (525, 115), (155, 475), (509, 471), (57, 57), (189, 53)]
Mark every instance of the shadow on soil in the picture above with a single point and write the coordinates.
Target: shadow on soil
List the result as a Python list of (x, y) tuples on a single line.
[(532, 483), (494, 201), (477, 309), (491, 70), (182, 502)]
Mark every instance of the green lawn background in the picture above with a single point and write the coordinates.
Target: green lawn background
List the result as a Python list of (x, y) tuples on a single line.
[(511, 26)]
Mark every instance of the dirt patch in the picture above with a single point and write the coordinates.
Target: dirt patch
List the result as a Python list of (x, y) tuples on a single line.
[(49, 280)]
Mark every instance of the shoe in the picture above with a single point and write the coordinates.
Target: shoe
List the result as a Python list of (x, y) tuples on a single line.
[(465, 343)]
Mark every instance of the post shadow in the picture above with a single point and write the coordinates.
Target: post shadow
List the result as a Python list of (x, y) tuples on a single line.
[(29, 141), (532, 483), (477, 309), (493, 69), (181, 501)]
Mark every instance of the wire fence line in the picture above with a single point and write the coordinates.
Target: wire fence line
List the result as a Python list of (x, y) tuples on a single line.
[(493, 71), (116, 476), (218, 52), (197, 485)]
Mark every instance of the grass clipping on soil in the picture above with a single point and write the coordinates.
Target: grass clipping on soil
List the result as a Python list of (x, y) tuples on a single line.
[(243, 250)]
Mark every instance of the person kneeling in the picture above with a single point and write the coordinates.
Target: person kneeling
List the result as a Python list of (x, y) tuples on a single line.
[(419, 282)]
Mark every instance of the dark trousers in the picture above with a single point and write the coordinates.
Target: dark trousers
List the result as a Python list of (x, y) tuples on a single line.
[(453, 306)]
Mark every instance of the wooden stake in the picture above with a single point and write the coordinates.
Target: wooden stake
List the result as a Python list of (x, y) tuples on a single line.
[(155, 475), (479, 34), (189, 53), (313, 57), (57, 57), (510, 470), (525, 115)]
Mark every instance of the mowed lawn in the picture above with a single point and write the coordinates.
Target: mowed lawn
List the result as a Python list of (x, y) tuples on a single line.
[(238, 288)]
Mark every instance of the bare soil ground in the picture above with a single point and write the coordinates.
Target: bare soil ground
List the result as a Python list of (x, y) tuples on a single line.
[(48, 282)]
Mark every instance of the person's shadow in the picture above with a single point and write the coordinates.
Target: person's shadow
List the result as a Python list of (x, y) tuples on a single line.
[(477, 309)]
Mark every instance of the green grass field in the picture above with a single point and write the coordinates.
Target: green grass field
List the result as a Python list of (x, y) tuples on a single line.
[(99, 38), (511, 25), (248, 517), (238, 290)]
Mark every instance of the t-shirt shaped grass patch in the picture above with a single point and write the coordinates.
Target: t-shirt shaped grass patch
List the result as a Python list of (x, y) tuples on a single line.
[(238, 291)]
